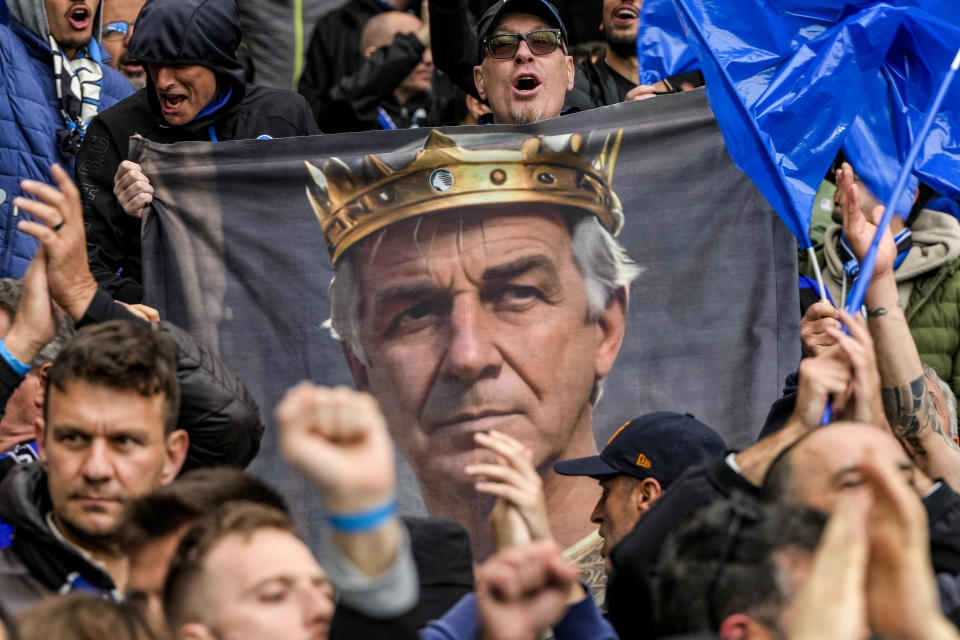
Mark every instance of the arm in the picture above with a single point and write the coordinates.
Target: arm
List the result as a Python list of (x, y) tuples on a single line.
[(222, 419), (847, 373), (353, 101), (338, 439), (907, 401), (111, 232), (454, 41), (819, 378), (522, 591)]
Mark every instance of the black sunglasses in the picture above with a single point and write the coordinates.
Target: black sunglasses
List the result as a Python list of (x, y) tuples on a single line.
[(503, 46)]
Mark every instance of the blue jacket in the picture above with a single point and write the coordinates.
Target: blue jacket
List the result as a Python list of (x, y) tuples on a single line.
[(582, 621), (29, 120)]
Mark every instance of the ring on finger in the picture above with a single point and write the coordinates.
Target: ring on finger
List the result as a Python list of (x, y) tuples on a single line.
[(59, 225)]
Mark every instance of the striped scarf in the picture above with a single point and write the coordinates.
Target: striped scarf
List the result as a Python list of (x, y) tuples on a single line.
[(79, 85)]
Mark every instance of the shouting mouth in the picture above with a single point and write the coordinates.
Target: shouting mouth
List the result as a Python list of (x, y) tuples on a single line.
[(170, 103), (625, 15), (79, 17), (526, 84)]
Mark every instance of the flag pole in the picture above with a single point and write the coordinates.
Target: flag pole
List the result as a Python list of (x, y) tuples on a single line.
[(859, 289), (817, 273), (858, 292)]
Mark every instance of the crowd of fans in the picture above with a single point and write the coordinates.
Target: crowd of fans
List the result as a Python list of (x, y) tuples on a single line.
[(124, 510)]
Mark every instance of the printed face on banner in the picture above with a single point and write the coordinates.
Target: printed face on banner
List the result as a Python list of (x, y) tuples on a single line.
[(479, 289), (480, 322)]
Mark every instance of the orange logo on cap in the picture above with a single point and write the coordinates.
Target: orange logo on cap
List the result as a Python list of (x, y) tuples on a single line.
[(644, 461), (617, 432)]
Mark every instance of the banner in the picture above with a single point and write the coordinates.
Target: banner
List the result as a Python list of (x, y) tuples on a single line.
[(233, 251)]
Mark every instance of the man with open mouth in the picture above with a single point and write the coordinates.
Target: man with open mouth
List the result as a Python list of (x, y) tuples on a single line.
[(195, 89), (611, 79), (523, 67), (52, 76)]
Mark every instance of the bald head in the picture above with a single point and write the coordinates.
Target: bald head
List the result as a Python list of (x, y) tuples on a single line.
[(826, 462), (383, 27)]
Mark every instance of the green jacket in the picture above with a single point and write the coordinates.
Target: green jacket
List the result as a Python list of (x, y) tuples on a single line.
[(928, 281)]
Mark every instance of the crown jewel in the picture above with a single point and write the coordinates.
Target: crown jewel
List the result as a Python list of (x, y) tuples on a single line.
[(352, 203)]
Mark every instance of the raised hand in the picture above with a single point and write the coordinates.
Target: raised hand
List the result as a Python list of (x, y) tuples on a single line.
[(60, 231), (522, 591), (813, 327), (862, 401), (520, 513), (35, 323), (338, 438), (858, 229)]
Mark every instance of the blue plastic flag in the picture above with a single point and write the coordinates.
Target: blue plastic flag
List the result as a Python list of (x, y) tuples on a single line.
[(792, 80)]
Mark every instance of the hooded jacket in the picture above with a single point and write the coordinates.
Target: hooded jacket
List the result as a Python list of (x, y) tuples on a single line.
[(37, 564), (928, 281), (173, 32), (30, 118)]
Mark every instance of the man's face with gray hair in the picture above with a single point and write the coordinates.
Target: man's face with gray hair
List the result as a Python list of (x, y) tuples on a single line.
[(476, 323)]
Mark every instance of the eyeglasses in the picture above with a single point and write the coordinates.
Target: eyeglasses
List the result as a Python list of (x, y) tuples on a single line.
[(503, 46), (113, 31)]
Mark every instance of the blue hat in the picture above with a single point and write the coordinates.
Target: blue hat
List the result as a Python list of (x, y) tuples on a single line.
[(659, 445)]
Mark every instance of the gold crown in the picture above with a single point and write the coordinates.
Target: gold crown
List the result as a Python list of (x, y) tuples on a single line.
[(352, 204)]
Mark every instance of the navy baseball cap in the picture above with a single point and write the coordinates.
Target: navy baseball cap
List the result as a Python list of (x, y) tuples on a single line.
[(659, 445), (491, 17)]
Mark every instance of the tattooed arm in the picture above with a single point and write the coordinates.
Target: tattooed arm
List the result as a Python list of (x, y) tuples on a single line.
[(907, 401)]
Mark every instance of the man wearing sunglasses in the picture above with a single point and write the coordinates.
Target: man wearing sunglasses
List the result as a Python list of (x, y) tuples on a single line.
[(523, 68), (118, 19)]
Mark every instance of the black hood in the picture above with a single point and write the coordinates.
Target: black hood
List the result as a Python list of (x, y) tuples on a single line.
[(187, 32)]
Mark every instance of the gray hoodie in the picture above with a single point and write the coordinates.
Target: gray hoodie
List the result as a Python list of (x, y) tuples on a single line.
[(936, 241)]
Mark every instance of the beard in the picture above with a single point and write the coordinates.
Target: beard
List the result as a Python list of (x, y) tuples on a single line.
[(624, 45), (528, 115)]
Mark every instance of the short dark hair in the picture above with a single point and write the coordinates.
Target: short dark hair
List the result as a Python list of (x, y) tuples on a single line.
[(123, 355), (169, 508), (778, 479), (712, 567), (85, 616), (186, 568)]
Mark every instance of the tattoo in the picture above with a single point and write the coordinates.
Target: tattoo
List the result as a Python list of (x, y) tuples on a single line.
[(876, 313), (911, 411)]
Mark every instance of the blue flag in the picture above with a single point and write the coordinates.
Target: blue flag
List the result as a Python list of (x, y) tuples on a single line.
[(790, 81)]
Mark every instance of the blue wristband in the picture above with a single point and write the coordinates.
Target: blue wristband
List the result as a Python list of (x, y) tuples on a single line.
[(364, 521), (15, 364)]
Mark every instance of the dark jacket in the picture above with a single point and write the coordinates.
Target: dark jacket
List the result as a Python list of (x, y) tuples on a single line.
[(334, 53), (630, 588), (204, 32), (361, 101), (216, 410), (29, 120), (37, 564)]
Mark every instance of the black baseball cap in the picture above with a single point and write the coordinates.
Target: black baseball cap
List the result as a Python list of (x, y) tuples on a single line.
[(659, 445), (497, 10)]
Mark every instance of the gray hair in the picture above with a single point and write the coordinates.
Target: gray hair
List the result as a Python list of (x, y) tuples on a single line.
[(604, 264), (10, 292), (945, 402)]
